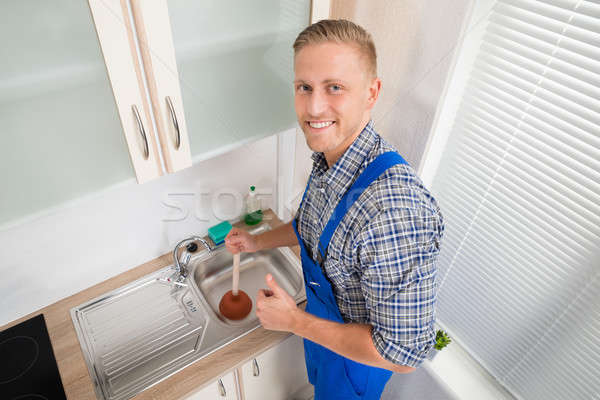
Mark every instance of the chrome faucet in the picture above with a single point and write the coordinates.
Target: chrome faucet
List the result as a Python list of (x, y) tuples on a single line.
[(181, 271)]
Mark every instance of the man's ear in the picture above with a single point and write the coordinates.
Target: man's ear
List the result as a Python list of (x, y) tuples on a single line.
[(374, 89)]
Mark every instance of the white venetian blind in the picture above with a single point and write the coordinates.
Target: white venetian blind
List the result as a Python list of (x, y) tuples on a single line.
[(519, 186)]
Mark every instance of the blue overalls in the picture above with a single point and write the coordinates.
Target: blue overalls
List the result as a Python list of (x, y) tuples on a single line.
[(334, 376)]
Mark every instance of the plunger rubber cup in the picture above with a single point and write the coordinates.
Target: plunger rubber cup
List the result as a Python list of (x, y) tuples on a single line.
[(235, 307)]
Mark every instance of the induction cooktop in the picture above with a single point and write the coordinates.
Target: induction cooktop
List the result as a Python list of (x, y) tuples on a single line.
[(28, 369)]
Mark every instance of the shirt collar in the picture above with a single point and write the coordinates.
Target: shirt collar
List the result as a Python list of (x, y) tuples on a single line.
[(342, 172)]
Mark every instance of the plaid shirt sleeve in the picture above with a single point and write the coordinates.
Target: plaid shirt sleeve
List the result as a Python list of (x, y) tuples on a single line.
[(397, 254)]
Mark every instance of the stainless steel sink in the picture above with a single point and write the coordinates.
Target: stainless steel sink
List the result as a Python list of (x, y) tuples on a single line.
[(140, 334), (213, 278)]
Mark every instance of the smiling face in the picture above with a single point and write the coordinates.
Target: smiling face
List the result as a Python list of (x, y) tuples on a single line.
[(334, 94)]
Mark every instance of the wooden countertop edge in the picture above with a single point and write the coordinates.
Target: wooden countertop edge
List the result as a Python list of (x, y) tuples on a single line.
[(71, 364)]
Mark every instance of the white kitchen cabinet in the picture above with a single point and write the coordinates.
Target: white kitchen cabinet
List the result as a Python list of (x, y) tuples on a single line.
[(224, 388), (86, 89), (82, 87), (277, 373), (226, 65), (63, 134)]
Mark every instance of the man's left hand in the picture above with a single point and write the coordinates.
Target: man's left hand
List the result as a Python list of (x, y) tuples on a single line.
[(275, 308)]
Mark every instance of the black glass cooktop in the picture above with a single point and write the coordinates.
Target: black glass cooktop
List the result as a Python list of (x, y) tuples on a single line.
[(28, 369)]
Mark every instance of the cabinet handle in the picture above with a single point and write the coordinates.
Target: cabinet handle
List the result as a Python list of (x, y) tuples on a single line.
[(255, 369), (136, 114), (222, 390), (175, 123)]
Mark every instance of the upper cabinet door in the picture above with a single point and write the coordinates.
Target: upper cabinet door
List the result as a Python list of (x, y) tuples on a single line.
[(225, 65), (117, 41), (156, 45), (61, 131)]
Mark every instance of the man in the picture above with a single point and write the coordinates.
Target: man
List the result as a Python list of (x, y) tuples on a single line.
[(369, 231)]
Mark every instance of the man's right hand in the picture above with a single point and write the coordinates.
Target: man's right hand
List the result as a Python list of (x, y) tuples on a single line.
[(239, 240)]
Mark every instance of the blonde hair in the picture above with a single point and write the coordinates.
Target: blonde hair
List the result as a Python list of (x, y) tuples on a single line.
[(340, 31)]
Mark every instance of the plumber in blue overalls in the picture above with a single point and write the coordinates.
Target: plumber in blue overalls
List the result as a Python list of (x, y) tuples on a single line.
[(335, 88)]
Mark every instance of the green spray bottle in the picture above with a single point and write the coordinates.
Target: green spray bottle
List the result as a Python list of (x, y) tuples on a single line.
[(254, 212)]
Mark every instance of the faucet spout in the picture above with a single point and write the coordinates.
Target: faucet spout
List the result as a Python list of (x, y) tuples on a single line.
[(181, 267)]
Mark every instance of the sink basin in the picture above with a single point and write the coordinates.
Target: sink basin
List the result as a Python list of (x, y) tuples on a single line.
[(140, 334), (212, 277)]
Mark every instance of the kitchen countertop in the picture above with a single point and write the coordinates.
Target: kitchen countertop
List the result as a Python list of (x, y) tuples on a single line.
[(71, 364)]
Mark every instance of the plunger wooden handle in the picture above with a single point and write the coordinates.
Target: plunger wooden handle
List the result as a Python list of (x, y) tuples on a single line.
[(236, 273)]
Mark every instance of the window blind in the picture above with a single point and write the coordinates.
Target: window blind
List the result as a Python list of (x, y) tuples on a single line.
[(519, 186)]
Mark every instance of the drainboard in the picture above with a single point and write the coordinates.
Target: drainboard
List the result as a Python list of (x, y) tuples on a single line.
[(139, 334)]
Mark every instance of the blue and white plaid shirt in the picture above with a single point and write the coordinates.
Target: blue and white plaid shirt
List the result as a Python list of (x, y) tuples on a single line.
[(381, 260)]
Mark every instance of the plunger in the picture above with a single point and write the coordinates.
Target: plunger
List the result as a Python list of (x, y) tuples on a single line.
[(235, 304)]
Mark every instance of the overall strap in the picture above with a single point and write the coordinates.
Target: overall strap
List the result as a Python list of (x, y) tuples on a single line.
[(371, 173)]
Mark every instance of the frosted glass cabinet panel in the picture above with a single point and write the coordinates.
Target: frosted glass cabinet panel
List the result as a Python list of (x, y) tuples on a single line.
[(233, 60), (60, 131)]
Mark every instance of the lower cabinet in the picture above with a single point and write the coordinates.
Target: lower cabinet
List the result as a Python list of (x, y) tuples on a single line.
[(224, 388), (276, 374)]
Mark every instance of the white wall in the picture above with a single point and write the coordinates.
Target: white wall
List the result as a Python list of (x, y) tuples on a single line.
[(416, 41), (62, 251)]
